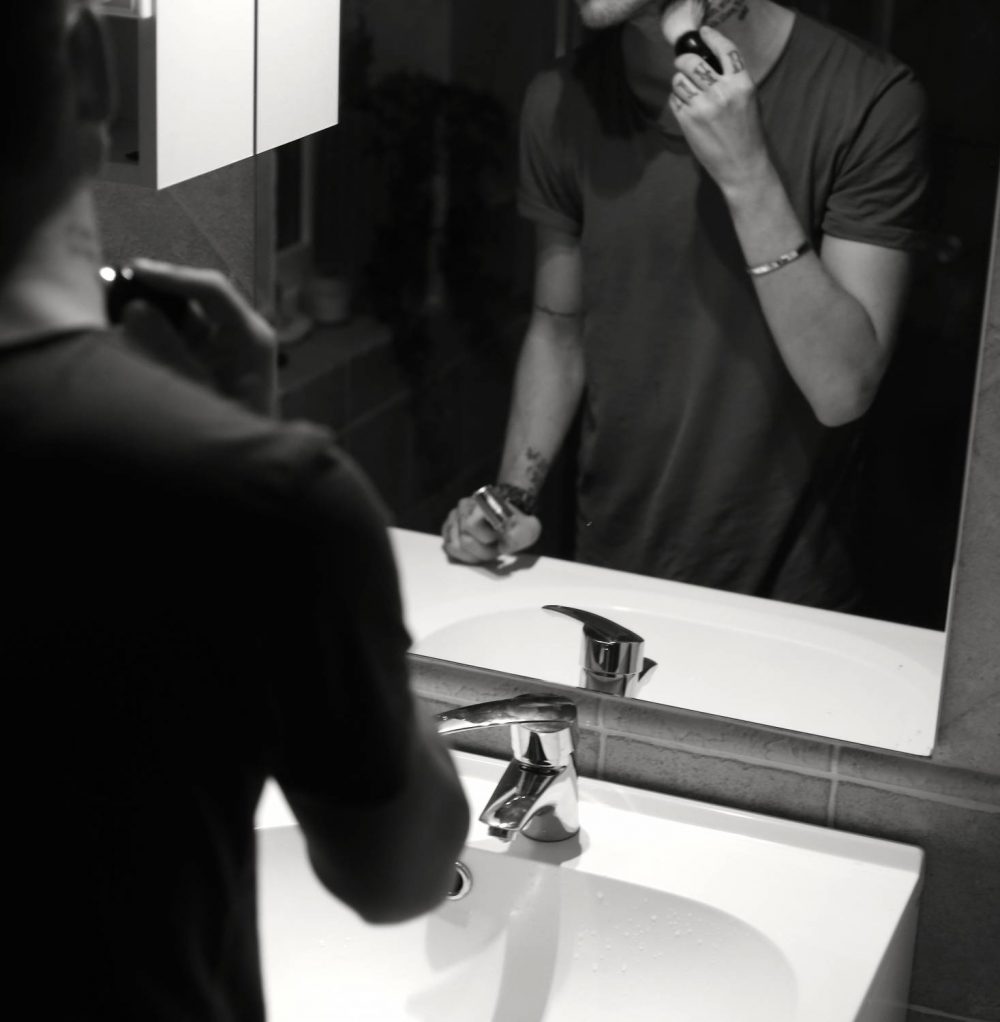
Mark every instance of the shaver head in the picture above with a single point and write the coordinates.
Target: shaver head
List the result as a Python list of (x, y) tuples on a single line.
[(692, 42)]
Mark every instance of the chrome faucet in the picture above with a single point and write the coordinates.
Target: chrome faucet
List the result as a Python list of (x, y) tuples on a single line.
[(611, 659), (537, 795)]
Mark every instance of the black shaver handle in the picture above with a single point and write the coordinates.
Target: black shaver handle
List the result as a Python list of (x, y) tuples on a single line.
[(692, 42), (125, 287)]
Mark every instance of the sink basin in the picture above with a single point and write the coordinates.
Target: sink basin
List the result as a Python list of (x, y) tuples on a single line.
[(664, 909)]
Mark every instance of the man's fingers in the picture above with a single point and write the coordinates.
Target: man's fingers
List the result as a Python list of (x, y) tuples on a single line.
[(213, 290), (697, 70), (460, 544), (684, 89), (725, 49), (523, 532), (150, 330), (474, 523)]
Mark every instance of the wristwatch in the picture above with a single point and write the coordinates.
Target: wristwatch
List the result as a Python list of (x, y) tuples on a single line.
[(517, 496), (499, 501)]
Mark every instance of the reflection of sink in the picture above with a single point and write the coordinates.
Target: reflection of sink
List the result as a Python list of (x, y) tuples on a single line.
[(666, 909), (836, 675), (741, 664)]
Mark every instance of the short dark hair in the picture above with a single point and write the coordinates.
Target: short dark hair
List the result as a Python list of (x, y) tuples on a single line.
[(33, 82)]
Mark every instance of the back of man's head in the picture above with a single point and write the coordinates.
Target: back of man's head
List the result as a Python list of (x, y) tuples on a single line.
[(34, 97)]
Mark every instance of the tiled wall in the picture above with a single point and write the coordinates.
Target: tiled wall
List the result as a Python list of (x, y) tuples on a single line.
[(949, 805)]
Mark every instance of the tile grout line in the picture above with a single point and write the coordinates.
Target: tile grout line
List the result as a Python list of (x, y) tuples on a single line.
[(831, 805)]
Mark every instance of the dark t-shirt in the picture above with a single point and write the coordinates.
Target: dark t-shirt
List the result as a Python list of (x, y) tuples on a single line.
[(700, 459), (195, 598)]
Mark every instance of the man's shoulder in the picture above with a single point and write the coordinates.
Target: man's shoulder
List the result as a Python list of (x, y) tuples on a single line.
[(93, 401), (846, 61)]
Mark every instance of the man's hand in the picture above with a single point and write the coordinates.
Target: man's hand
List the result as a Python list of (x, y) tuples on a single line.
[(718, 113), (469, 537), (226, 343)]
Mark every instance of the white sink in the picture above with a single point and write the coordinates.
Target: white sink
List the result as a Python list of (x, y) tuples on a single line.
[(835, 675), (665, 909)]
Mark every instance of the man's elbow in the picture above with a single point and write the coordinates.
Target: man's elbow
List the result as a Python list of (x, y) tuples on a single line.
[(847, 402), (401, 879)]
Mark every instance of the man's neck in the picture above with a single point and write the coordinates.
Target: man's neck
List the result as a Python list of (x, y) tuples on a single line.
[(758, 28), (55, 287)]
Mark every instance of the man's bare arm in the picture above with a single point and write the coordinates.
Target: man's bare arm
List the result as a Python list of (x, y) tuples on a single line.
[(548, 385), (833, 314), (549, 381)]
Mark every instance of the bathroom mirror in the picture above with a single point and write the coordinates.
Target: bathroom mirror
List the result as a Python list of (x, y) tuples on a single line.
[(402, 274)]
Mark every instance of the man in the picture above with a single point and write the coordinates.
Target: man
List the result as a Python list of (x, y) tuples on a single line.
[(721, 264), (197, 597)]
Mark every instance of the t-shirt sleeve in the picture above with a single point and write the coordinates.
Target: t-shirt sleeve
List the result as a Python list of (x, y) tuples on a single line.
[(548, 192), (879, 191)]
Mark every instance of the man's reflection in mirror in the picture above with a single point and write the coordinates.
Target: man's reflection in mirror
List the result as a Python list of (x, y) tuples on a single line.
[(722, 261)]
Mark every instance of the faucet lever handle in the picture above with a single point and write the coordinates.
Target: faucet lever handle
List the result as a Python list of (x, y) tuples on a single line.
[(612, 658), (537, 713), (596, 627)]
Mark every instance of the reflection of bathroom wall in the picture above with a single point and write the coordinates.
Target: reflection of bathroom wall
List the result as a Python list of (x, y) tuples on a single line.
[(207, 221), (419, 397)]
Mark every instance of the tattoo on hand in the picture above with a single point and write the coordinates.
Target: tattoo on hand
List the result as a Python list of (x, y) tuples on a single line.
[(684, 90), (736, 60), (705, 74)]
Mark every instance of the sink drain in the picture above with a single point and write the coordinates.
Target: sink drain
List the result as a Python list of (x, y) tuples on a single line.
[(461, 883)]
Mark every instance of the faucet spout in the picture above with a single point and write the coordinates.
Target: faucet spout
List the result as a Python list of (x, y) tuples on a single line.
[(537, 795), (540, 804)]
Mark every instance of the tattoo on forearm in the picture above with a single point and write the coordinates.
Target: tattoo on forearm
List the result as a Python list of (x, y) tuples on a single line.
[(537, 469), (736, 60), (556, 312)]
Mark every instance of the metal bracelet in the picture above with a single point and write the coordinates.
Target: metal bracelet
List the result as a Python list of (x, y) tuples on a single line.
[(517, 496), (761, 269)]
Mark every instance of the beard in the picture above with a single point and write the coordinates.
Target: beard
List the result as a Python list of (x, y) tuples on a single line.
[(597, 14)]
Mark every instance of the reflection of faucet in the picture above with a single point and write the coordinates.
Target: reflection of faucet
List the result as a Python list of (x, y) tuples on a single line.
[(611, 657), (537, 795)]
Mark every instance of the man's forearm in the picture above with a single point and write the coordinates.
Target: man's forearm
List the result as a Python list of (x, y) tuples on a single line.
[(824, 334), (548, 386)]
